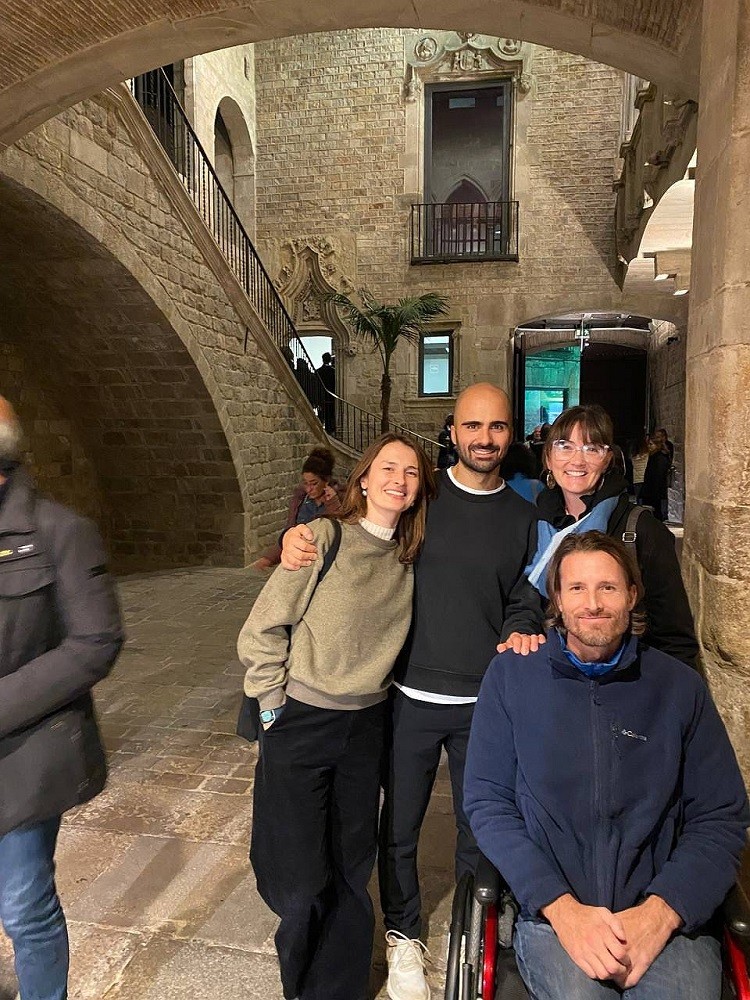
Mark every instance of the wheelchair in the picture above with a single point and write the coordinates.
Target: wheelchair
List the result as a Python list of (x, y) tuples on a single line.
[(481, 963)]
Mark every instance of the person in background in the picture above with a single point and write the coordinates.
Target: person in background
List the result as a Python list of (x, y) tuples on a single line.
[(327, 408), (317, 495), (667, 443), (322, 696), (447, 455), (288, 355), (536, 446), (618, 461), (583, 493), (601, 782), (517, 470), (655, 489), (639, 457), (305, 376), (61, 633)]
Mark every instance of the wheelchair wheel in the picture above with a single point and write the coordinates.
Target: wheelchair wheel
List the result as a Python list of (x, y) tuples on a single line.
[(460, 921), (466, 945), (489, 953)]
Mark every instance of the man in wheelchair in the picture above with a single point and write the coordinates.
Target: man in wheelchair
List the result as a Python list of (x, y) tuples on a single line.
[(600, 781)]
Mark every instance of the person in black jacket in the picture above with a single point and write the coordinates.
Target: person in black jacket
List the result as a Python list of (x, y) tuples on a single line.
[(655, 489), (327, 404), (447, 455), (584, 491), (60, 633)]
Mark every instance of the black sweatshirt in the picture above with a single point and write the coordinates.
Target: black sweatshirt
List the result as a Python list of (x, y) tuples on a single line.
[(470, 591)]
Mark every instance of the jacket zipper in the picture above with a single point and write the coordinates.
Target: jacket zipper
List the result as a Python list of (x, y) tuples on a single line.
[(597, 783)]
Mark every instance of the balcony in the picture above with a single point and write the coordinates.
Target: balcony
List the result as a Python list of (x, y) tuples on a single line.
[(457, 233)]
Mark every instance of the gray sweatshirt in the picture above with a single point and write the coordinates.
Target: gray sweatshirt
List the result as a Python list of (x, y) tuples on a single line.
[(346, 633)]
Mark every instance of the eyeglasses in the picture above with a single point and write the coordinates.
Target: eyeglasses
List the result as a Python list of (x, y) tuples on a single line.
[(590, 452)]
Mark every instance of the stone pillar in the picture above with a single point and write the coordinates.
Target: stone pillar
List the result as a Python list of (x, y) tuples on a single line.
[(717, 425)]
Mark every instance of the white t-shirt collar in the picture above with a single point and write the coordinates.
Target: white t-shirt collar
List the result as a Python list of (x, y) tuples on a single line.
[(469, 489)]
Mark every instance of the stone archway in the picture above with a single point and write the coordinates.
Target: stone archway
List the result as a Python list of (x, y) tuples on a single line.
[(119, 419), (239, 159), (50, 62)]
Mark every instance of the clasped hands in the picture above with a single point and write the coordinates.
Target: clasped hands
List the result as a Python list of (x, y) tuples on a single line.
[(617, 946)]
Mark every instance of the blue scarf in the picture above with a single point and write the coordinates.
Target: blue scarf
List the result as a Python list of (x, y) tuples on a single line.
[(597, 669), (548, 540)]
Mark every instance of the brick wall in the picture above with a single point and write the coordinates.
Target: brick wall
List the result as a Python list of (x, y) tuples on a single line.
[(54, 451), (332, 143)]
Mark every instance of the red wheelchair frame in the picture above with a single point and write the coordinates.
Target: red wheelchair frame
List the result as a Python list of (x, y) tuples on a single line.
[(481, 963)]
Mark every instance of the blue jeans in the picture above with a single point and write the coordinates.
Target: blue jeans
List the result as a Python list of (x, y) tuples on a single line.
[(30, 910), (689, 968)]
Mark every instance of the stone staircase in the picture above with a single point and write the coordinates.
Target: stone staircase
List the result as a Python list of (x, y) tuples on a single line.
[(160, 127)]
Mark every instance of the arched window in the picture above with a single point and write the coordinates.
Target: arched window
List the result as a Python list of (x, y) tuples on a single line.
[(234, 160), (465, 193), (468, 221)]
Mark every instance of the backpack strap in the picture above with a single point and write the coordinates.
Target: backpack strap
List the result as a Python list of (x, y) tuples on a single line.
[(630, 534), (330, 556)]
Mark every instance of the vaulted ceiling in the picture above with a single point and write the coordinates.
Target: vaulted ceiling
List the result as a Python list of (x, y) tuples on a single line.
[(55, 52)]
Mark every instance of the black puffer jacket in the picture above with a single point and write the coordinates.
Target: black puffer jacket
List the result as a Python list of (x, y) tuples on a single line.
[(60, 633), (670, 622)]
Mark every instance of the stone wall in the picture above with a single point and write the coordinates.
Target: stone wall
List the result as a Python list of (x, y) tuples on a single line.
[(192, 437), (225, 80), (667, 378), (333, 151), (54, 451)]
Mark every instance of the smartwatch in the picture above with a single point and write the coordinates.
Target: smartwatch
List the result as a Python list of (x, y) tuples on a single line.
[(269, 715)]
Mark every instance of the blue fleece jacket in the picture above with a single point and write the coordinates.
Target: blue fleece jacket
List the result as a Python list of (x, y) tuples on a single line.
[(612, 788)]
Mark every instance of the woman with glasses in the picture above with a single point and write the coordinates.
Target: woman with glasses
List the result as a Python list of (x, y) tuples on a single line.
[(584, 492)]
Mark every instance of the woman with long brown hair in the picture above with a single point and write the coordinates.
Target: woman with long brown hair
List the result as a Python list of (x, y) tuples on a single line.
[(322, 698)]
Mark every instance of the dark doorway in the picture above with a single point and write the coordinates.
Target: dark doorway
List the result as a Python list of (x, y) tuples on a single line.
[(549, 380), (616, 377)]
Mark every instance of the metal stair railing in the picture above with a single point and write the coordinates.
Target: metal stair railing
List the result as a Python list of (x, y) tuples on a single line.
[(354, 426)]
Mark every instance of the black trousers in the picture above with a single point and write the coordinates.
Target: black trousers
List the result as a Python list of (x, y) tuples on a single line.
[(313, 845), (418, 732)]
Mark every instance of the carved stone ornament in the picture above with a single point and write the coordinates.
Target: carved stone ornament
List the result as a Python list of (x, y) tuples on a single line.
[(445, 55), (413, 86), (426, 49), (307, 277), (524, 83), (509, 46)]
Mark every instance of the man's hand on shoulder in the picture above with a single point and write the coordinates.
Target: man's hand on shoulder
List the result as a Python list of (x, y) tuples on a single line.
[(648, 927), (593, 936), (298, 547), (523, 644)]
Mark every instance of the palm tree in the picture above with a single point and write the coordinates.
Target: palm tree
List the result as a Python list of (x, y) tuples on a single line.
[(385, 325)]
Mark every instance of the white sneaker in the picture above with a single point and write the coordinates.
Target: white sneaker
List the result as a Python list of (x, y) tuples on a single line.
[(406, 975)]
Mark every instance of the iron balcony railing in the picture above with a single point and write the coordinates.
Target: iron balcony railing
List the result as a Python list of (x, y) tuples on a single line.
[(456, 233), (348, 423)]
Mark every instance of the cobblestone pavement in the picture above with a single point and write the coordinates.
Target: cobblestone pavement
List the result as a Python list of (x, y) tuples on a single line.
[(153, 873)]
